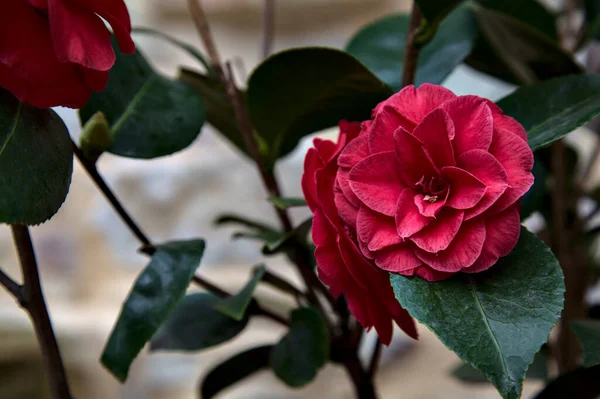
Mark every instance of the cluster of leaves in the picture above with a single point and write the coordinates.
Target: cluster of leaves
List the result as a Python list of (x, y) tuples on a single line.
[(495, 321)]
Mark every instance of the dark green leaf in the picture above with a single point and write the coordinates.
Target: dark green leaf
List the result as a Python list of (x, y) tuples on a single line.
[(533, 200), (380, 46), (36, 162), (529, 12), (284, 203), (552, 109), (433, 11), (244, 221), (195, 325), (510, 45), (219, 111), (588, 332), (155, 294), (577, 384), (300, 354), (234, 370), (496, 320), (151, 116), (291, 239), (235, 306), (300, 91), (191, 50), (537, 371)]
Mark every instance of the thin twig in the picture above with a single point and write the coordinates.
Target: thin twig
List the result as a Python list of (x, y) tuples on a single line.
[(269, 28), (589, 167), (375, 358), (207, 285), (11, 286), (35, 305), (411, 52), (91, 169)]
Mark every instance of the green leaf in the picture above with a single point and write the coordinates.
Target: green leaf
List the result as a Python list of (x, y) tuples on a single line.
[(230, 218), (510, 45), (188, 48), (292, 239), (300, 91), (155, 294), (236, 305), (284, 203), (496, 320), (529, 12), (588, 332), (219, 111), (300, 354), (380, 46), (151, 116), (537, 371), (195, 325), (552, 109), (234, 370), (36, 162)]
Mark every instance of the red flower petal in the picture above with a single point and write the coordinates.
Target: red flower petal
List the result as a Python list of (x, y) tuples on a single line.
[(429, 209), (408, 218), (466, 190), (376, 182), (397, 259), (429, 274), (115, 12), (463, 252), (376, 230), (348, 212), (414, 103), (487, 169), (381, 131), (473, 123), (435, 131), (312, 163), (438, 235), (354, 152), (79, 36), (502, 235), (502, 121), (413, 163), (517, 159)]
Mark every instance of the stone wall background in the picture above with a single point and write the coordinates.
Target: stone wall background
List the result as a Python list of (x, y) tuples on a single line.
[(88, 258)]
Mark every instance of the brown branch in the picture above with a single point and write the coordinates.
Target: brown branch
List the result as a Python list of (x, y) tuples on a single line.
[(11, 286), (375, 358), (411, 52), (270, 183), (362, 381), (35, 305), (269, 28), (91, 169)]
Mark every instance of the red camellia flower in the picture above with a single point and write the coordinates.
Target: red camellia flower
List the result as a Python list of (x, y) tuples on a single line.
[(429, 187), (56, 52)]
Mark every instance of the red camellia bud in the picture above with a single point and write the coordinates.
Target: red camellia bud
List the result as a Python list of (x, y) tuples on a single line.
[(56, 52), (429, 187)]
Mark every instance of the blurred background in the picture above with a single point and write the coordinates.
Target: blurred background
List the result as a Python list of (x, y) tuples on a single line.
[(88, 258)]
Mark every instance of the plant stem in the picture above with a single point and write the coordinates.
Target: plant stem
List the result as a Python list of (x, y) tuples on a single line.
[(91, 169), (375, 358), (35, 305), (11, 286), (568, 350), (411, 52), (269, 28), (363, 382), (270, 183)]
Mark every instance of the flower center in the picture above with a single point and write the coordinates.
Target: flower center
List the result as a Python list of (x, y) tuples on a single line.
[(432, 188)]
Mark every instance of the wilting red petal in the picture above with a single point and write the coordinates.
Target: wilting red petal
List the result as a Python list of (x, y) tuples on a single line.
[(463, 252), (79, 36), (435, 132), (502, 235), (408, 218), (376, 182), (376, 230), (438, 235), (466, 190), (397, 259), (473, 123)]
